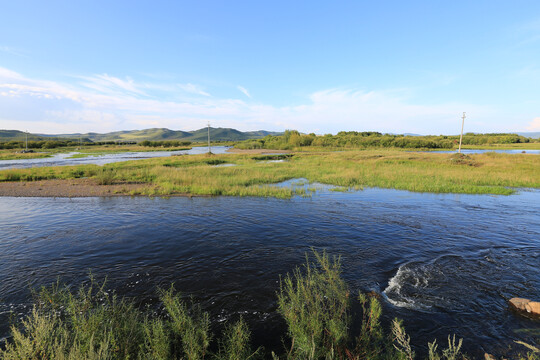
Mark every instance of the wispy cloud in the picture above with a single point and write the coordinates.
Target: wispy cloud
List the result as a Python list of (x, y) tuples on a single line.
[(193, 89), (109, 84), (244, 91), (105, 103)]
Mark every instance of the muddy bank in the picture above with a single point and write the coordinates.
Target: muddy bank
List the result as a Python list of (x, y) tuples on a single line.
[(68, 188)]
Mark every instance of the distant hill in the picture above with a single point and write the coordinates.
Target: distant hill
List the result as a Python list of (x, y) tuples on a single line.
[(9, 135), (133, 135), (155, 134)]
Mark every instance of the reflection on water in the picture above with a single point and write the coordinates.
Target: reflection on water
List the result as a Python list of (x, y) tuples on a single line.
[(444, 263), (67, 159)]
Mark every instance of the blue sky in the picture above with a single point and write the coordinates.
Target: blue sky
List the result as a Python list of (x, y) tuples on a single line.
[(323, 67)]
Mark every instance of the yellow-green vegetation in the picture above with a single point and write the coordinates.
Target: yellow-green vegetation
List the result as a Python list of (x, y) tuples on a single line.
[(85, 152), (314, 301), (15, 155), (490, 173), (293, 140)]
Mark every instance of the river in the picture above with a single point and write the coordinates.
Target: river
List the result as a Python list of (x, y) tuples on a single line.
[(444, 263), (64, 159)]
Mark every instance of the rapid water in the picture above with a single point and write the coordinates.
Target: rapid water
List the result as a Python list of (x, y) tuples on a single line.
[(67, 159), (445, 263)]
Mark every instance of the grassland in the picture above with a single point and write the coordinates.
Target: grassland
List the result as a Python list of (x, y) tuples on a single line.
[(489, 173), (85, 152), (13, 155)]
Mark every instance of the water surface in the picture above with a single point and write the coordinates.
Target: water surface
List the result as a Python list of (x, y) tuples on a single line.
[(66, 158), (444, 263), (482, 151)]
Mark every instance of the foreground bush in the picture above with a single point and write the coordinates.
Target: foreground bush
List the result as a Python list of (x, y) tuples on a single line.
[(314, 302)]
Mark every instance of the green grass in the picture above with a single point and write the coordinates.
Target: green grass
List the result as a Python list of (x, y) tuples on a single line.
[(489, 173), (86, 152), (14, 155), (315, 302)]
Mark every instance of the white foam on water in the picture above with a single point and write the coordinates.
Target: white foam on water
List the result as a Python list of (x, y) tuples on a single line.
[(405, 275)]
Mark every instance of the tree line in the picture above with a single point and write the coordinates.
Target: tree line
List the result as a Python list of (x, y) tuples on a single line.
[(368, 139)]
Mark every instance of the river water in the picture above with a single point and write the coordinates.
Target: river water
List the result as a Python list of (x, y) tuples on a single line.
[(482, 151), (65, 159), (445, 263)]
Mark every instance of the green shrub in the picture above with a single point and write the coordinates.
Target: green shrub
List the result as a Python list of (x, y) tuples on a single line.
[(315, 303), (90, 323), (105, 176)]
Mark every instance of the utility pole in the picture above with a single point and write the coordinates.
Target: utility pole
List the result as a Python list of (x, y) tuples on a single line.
[(26, 140), (209, 148), (461, 136)]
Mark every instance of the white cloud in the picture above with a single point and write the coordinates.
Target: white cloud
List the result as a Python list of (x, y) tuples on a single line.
[(193, 89), (111, 103), (534, 125), (109, 84), (244, 91)]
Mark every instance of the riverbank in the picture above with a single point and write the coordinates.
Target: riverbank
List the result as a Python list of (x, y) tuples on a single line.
[(250, 175), (16, 155), (68, 188)]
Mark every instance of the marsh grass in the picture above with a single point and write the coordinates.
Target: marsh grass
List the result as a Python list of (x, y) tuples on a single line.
[(14, 155), (90, 323), (489, 173), (105, 176), (118, 150), (315, 302)]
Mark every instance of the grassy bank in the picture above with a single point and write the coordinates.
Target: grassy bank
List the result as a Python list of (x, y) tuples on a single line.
[(314, 302), (82, 153), (15, 155), (198, 174)]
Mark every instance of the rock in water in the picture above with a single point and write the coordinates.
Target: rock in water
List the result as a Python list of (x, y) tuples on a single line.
[(533, 307), (519, 303), (525, 306)]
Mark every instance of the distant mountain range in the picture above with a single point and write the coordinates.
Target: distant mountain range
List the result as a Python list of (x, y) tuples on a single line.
[(156, 134)]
